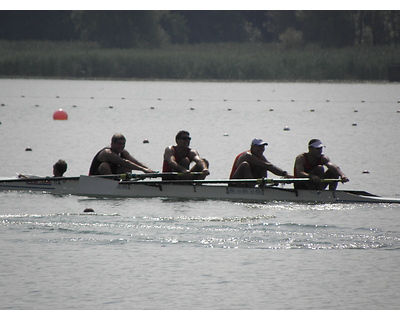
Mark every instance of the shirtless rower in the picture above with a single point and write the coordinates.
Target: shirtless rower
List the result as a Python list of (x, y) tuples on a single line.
[(179, 157), (311, 165), (115, 159)]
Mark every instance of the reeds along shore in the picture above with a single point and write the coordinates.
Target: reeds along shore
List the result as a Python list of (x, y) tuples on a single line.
[(227, 61)]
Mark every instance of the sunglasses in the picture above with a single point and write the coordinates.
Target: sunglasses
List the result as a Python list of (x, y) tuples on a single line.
[(186, 138)]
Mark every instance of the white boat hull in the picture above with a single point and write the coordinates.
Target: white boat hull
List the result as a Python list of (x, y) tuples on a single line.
[(111, 188), (93, 186), (61, 186)]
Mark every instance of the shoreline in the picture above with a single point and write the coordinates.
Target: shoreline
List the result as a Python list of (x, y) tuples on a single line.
[(193, 80)]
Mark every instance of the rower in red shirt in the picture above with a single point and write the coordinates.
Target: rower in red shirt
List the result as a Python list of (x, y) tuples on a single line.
[(252, 164), (311, 165)]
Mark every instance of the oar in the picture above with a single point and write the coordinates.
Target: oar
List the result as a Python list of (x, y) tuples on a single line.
[(129, 175), (123, 176), (225, 181)]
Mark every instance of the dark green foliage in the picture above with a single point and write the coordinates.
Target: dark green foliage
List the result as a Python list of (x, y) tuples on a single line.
[(228, 61)]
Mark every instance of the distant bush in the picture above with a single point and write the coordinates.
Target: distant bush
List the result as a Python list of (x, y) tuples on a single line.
[(291, 38), (227, 61)]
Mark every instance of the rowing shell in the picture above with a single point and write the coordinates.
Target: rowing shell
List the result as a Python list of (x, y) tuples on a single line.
[(53, 185), (94, 186)]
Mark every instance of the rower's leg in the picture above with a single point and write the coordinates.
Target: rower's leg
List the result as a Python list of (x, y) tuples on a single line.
[(319, 172), (104, 168), (330, 175), (243, 172)]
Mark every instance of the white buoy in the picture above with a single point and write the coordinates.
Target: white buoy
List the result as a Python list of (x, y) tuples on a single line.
[(286, 128)]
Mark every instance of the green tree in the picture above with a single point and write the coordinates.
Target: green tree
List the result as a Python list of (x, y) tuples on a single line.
[(278, 21), (219, 26), (175, 26), (329, 28), (122, 29), (55, 25)]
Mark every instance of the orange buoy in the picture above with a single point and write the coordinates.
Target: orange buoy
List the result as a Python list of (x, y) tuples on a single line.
[(60, 114)]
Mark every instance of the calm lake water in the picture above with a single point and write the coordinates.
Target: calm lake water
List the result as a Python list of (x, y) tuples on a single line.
[(159, 254)]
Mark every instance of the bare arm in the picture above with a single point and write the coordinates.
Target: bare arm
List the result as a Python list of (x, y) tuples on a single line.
[(194, 155), (264, 163), (170, 158), (335, 169), (299, 166), (128, 162)]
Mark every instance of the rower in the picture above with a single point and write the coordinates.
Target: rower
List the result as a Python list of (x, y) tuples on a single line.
[(311, 165), (116, 159), (252, 164), (178, 158), (59, 168)]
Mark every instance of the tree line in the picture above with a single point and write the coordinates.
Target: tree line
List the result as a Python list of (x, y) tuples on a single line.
[(151, 29)]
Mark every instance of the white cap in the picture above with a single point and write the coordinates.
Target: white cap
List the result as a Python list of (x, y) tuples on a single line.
[(316, 144), (258, 142)]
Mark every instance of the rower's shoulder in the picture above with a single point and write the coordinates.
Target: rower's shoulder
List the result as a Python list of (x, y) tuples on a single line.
[(170, 148), (301, 156), (105, 150), (244, 154), (325, 158)]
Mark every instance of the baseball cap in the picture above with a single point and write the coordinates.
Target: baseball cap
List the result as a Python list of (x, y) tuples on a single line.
[(258, 142)]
